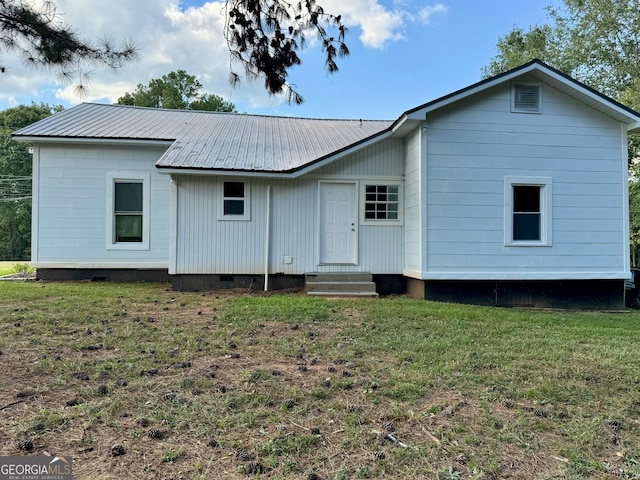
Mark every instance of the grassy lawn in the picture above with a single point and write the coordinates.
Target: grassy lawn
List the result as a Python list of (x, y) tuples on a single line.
[(8, 267), (232, 385)]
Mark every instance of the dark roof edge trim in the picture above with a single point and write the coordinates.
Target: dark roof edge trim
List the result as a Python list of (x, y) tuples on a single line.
[(92, 140), (512, 73)]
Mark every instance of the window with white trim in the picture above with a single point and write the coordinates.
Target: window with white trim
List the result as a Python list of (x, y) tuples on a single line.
[(527, 211), (128, 209), (235, 200), (381, 203), (526, 98)]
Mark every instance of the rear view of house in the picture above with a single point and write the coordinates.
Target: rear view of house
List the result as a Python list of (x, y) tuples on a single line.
[(512, 191)]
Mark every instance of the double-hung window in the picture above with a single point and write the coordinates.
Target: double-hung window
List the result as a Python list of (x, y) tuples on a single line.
[(527, 214), (235, 201), (528, 211), (127, 211)]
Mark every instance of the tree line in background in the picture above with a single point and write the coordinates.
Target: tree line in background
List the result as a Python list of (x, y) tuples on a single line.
[(595, 41), (598, 43), (176, 90), (15, 181)]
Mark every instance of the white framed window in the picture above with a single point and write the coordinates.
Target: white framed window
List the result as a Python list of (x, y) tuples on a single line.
[(527, 211), (381, 203), (128, 210), (526, 98), (235, 202)]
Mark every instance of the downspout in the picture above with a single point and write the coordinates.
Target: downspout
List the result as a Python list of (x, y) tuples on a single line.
[(266, 239), (173, 227), (35, 206)]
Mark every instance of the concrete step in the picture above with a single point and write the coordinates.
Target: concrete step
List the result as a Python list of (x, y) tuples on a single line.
[(340, 284), (344, 294), (338, 277)]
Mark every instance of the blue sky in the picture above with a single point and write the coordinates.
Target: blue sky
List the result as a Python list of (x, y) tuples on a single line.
[(403, 53)]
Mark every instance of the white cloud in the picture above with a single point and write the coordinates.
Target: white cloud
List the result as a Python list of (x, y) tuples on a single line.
[(378, 24), (170, 38), (167, 37), (429, 11)]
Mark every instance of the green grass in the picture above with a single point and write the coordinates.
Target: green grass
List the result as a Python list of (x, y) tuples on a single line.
[(387, 388), (7, 267)]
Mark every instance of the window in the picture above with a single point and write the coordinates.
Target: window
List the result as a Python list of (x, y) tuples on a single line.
[(526, 98), (235, 201), (127, 211), (382, 203), (527, 211)]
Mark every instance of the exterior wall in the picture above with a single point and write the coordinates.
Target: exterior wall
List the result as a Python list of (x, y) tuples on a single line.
[(473, 145), (414, 206), (70, 207), (206, 244)]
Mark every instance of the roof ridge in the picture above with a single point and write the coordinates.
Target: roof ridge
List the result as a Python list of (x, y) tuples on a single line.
[(260, 115)]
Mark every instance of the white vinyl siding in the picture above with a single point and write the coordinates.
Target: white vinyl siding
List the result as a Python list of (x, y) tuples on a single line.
[(208, 246), (383, 159), (74, 211), (415, 207), (470, 150)]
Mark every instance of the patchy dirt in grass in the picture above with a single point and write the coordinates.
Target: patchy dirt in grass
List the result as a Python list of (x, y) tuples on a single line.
[(170, 389)]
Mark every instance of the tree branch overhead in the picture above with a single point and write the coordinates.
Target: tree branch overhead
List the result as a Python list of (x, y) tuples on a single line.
[(265, 36)]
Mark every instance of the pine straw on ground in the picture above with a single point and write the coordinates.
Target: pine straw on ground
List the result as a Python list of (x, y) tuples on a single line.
[(267, 398)]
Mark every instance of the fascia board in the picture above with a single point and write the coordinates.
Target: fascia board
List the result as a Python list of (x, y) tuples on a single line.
[(92, 141)]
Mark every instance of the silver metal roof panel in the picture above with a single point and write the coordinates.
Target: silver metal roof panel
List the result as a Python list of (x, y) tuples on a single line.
[(210, 140)]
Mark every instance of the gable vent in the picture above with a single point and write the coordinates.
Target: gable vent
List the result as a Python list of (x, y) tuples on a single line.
[(526, 98)]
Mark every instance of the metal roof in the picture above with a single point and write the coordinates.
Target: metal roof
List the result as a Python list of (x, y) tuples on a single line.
[(209, 140), (228, 142)]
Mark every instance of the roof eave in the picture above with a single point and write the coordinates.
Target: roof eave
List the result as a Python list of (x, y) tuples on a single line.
[(550, 74), (92, 141), (192, 171)]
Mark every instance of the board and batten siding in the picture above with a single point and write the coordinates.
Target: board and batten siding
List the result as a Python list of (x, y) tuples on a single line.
[(70, 206), (206, 244), (473, 146)]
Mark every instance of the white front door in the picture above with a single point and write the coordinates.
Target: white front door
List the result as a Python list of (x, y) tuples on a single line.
[(338, 223)]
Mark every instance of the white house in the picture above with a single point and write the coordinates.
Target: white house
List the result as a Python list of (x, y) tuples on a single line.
[(512, 191)]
